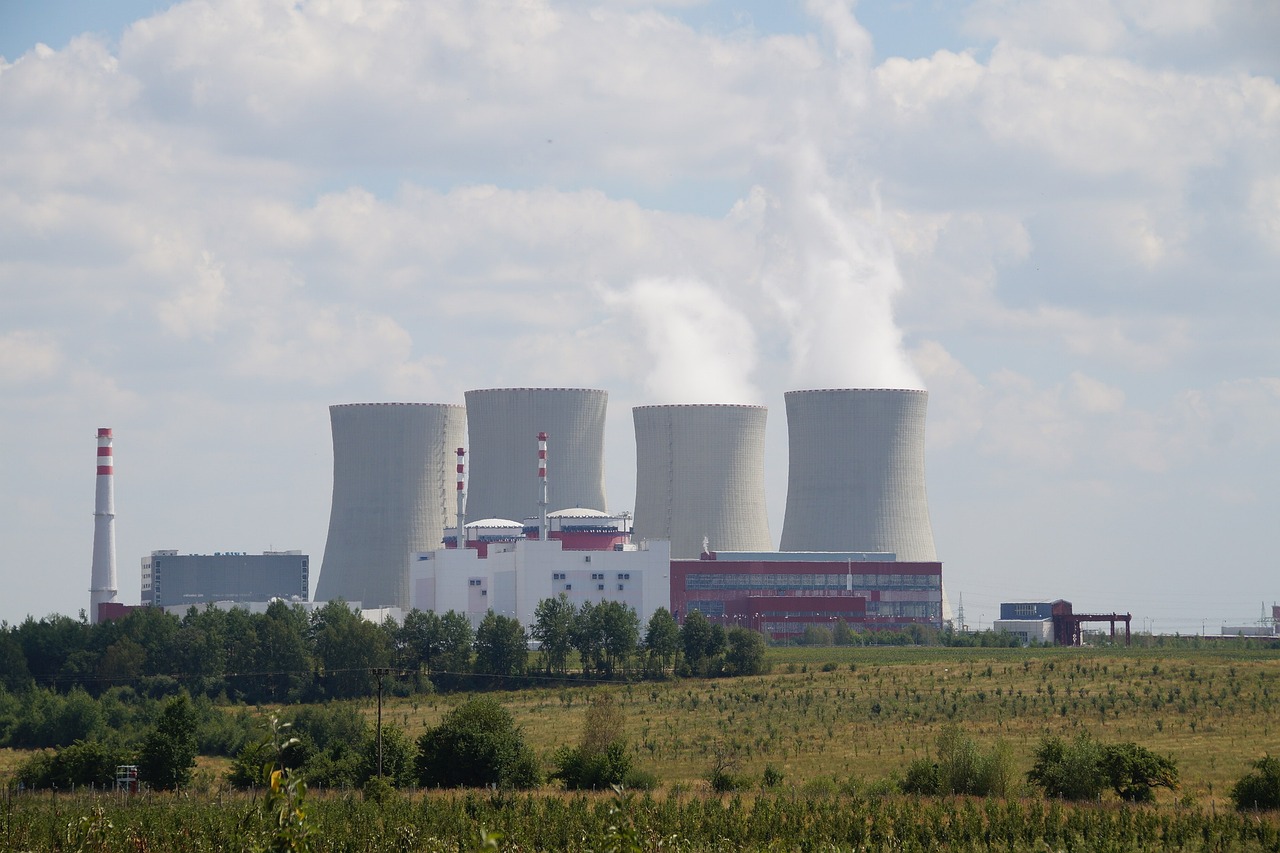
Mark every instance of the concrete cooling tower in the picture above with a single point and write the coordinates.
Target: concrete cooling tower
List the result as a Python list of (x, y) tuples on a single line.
[(393, 494), (503, 426), (856, 478), (700, 472)]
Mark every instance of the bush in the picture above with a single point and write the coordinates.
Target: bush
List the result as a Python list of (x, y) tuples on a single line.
[(81, 763), (1072, 771), (640, 780), (724, 782), (1260, 789), (961, 768), (772, 777), (476, 744)]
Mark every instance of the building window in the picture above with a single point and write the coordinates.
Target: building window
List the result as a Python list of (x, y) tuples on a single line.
[(624, 576), (568, 587), (621, 587), (600, 587), (586, 559), (557, 576)]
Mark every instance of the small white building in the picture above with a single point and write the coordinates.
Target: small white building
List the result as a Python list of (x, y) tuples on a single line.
[(505, 567), (1027, 630)]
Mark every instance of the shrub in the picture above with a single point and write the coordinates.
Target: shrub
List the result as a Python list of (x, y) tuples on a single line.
[(1072, 771), (1260, 789), (476, 744), (772, 777), (961, 768), (601, 759)]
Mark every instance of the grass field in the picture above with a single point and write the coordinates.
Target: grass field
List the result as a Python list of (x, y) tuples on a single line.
[(864, 713)]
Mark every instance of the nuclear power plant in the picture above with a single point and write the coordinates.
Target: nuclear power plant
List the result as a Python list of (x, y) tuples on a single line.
[(700, 477), (103, 584), (502, 423), (855, 478), (393, 494)]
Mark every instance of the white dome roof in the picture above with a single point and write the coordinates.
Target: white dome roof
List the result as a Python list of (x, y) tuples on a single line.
[(579, 512), (494, 522)]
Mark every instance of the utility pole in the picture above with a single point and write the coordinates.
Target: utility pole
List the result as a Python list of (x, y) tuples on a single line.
[(380, 672)]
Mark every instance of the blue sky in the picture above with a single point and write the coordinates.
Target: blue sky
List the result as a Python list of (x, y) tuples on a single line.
[(218, 217)]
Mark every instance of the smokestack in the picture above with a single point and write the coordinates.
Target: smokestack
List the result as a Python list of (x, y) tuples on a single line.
[(700, 475), (102, 583), (542, 476), (856, 473)]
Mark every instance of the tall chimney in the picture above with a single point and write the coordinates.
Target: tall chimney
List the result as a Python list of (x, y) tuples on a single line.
[(462, 498), (102, 579)]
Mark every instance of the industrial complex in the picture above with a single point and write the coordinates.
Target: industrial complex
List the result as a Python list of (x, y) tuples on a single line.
[(500, 504)]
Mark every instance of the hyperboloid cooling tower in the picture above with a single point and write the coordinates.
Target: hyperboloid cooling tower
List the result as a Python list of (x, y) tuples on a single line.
[(503, 426), (700, 473), (393, 494), (856, 478)]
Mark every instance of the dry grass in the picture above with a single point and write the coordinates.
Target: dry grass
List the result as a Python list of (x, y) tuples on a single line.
[(877, 709)]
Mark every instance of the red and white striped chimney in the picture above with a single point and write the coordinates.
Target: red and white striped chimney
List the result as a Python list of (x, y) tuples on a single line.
[(102, 582), (542, 475), (462, 499)]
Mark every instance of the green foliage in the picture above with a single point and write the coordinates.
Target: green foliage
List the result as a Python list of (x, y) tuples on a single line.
[(398, 757), (662, 639), (745, 654), (501, 646), (1134, 771), (702, 643), (476, 744), (1259, 789), (283, 810), (553, 629), (1072, 771), (169, 750), (347, 647), (961, 768), (81, 763), (602, 758), (1082, 769), (772, 776)]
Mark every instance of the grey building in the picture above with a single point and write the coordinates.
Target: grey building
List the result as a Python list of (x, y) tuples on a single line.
[(172, 579)]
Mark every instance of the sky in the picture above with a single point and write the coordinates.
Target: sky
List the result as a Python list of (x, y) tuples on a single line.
[(219, 217)]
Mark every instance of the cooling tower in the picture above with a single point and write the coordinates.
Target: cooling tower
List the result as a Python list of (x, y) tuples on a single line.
[(700, 473), (856, 477), (503, 426), (393, 494)]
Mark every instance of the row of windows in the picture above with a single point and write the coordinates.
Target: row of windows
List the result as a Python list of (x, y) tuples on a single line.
[(829, 582), (894, 609)]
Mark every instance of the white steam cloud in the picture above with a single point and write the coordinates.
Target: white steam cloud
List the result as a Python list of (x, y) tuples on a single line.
[(834, 276), (701, 349)]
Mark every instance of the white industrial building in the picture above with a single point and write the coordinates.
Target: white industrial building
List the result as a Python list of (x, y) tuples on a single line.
[(700, 477), (587, 556), (393, 494)]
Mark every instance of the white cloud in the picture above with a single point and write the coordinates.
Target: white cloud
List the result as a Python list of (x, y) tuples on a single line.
[(28, 356)]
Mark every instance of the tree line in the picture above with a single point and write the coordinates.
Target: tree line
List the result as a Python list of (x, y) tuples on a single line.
[(289, 655)]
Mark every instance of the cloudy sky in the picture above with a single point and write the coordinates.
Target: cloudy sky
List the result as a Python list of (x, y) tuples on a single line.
[(218, 217)]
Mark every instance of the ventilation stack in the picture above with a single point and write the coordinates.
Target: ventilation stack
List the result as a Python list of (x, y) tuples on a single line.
[(856, 476), (393, 494), (502, 424), (103, 585), (700, 475)]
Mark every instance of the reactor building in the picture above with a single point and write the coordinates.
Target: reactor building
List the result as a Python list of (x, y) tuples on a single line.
[(855, 480), (700, 477), (393, 495), (502, 423)]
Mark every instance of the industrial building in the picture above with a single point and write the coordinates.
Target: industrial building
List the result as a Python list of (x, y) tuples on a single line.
[(781, 593), (700, 477), (392, 496), (502, 423), (507, 567), (1054, 622), (170, 579)]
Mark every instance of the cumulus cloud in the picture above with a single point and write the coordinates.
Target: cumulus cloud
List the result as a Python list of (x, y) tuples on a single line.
[(28, 356)]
